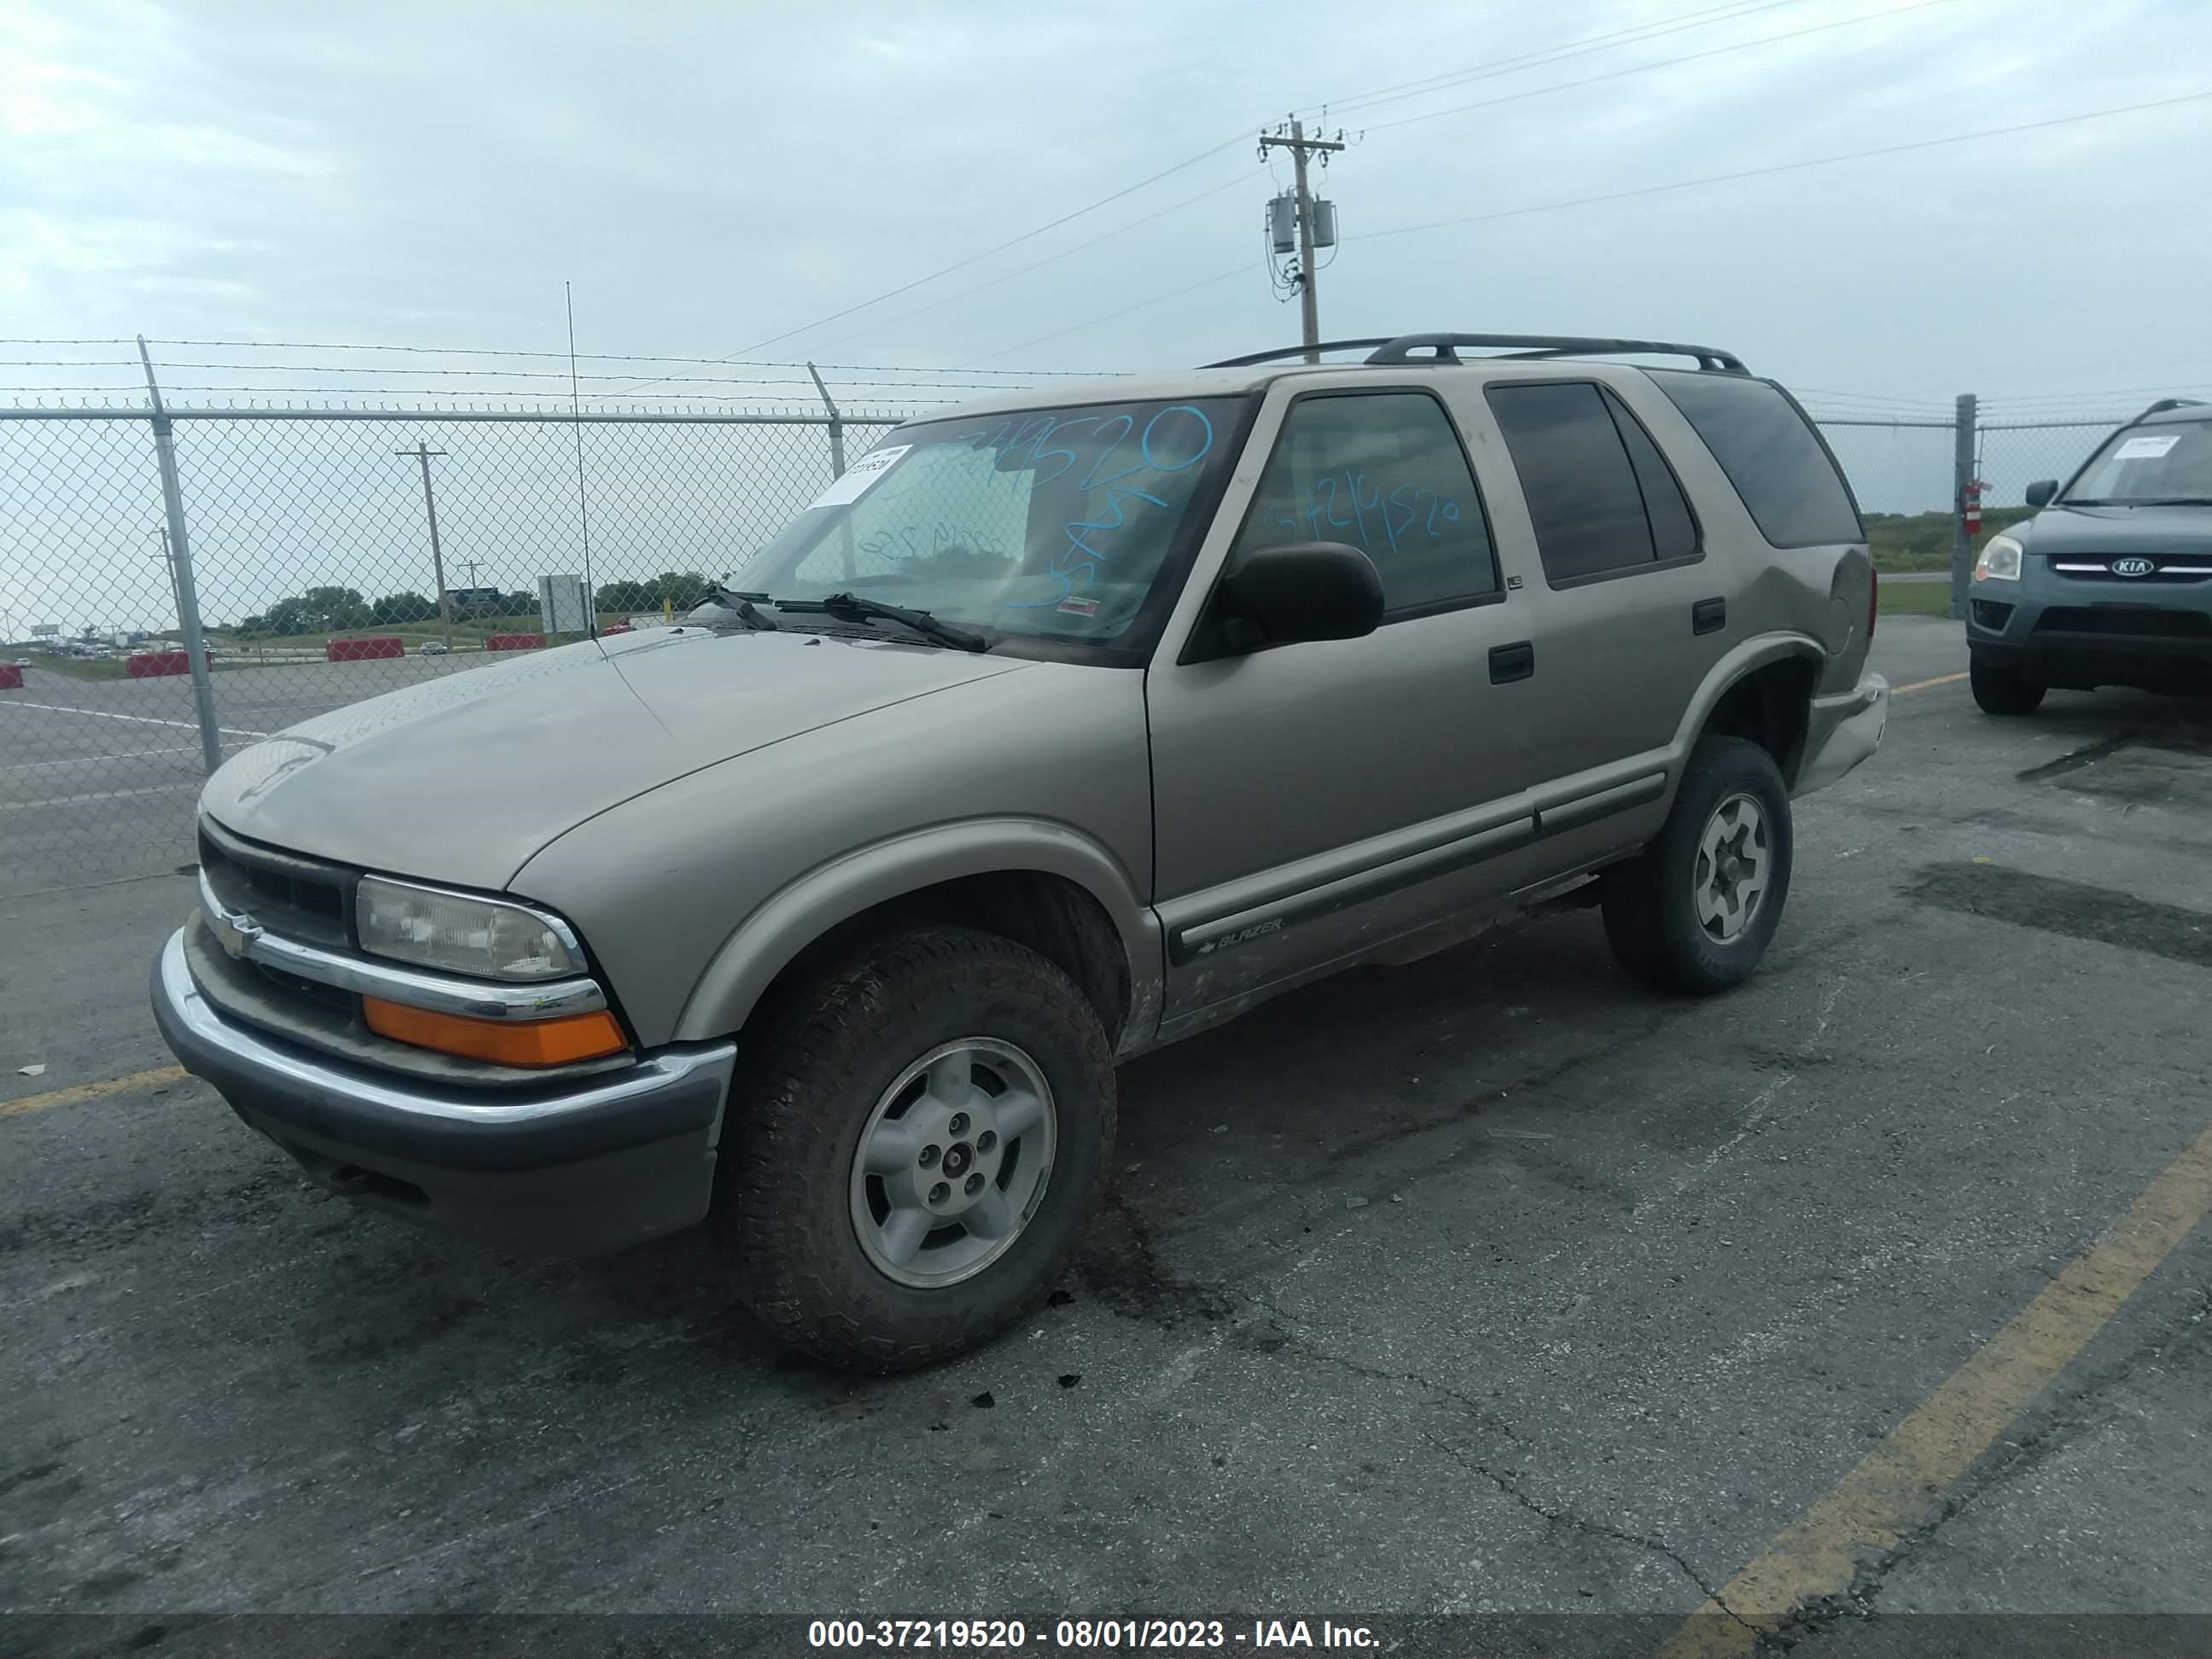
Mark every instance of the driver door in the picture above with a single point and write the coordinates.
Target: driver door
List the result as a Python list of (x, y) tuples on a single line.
[(1313, 800)]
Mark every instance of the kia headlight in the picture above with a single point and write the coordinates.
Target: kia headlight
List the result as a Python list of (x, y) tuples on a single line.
[(460, 935), (2000, 561)]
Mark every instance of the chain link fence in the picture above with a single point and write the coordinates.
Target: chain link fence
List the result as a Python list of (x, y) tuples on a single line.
[(310, 550), (319, 580)]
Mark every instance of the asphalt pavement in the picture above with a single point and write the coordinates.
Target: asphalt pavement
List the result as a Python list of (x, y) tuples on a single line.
[(1489, 1283)]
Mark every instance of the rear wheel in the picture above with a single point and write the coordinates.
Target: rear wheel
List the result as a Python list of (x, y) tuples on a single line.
[(1695, 909), (2000, 690), (917, 1140)]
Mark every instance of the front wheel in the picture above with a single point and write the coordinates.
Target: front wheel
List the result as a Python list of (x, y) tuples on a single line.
[(918, 1138), (2000, 690), (1695, 909)]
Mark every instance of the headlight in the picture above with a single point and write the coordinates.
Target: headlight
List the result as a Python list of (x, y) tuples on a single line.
[(2000, 561), (463, 935)]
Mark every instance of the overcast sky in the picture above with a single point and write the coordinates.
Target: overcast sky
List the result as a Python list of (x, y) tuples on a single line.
[(712, 176)]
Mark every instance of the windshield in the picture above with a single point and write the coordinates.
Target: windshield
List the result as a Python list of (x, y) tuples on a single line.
[(2169, 462), (1051, 523)]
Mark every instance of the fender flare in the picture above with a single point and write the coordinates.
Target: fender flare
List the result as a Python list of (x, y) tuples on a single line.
[(1745, 659), (770, 938)]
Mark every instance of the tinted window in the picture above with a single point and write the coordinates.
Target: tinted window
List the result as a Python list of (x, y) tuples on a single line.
[(1776, 462), (1383, 471), (1673, 531), (1575, 470)]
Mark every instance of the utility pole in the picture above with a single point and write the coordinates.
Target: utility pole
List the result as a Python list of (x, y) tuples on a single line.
[(1300, 147), (423, 453)]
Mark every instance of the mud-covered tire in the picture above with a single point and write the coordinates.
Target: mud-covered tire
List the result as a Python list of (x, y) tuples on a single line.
[(2000, 690), (1650, 903), (813, 1067)]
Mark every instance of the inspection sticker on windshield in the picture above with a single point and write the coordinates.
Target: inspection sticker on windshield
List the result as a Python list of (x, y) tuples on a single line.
[(856, 478), (2147, 449)]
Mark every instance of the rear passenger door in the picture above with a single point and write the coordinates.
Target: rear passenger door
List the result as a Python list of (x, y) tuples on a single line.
[(1631, 614)]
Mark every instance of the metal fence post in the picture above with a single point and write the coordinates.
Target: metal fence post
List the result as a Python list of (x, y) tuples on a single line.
[(837, 468), (180, 558), (1962, 475)]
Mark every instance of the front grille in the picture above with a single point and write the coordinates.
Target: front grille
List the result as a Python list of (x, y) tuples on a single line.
[(2125, 621), (299, 898), (2171, 569)]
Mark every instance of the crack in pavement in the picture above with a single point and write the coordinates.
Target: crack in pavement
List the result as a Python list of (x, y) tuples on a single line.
[(1568, 1518), (2019, 1456), (1305, 1348)]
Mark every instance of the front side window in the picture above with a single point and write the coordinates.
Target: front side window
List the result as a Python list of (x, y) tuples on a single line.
[(1382, 471), (1050, 524), (2170, 462)]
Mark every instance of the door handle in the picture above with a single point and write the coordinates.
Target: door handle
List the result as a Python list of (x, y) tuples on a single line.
[(1508, 663), (1709, 616)]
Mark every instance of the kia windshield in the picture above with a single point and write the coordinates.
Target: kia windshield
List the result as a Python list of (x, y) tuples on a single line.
[(1049, 523), (2147, 465)]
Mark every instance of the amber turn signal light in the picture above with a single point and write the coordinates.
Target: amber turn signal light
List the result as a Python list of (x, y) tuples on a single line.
[(503, 1041)]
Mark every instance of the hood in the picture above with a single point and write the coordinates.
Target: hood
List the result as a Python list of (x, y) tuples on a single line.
[(460, 779), (2117, 530)]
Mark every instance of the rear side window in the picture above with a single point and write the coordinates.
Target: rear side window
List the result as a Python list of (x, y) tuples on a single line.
[(1601, 496), (1383, 471), (1775, 461)]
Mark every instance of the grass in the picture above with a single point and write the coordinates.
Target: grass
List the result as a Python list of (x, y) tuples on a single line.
[(1916, 599)]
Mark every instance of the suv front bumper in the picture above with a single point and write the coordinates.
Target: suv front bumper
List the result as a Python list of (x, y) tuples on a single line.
[(586, 1167), (1842, 731)]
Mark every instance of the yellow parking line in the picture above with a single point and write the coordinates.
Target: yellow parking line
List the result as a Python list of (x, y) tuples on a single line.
[(114, 1085), (1900, 1485), (1922, 685)]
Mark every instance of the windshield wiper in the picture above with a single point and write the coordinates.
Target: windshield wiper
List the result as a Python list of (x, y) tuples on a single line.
[(852, 607), (2176, 500), (745, 605)]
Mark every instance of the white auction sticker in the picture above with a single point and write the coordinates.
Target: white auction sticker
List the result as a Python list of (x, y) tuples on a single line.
[(857, 478), (2147, 449)]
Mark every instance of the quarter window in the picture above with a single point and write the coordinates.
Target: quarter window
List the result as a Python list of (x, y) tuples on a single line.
[(1383, 471), (1778, 465), (1601, 496)]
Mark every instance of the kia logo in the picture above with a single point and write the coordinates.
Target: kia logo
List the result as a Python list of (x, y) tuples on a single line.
[(2132, 567)]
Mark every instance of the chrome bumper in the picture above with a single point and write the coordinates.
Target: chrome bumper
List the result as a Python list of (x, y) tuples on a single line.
[(1841, 731), (581, 1167)]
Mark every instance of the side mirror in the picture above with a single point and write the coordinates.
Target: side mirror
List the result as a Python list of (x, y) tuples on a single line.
[(1305, 591), (2040, 492)]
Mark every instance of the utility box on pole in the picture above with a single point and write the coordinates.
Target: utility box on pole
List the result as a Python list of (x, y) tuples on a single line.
[(564, 604)]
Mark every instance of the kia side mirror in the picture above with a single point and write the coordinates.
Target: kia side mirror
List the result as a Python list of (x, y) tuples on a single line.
[(1305, 591), (2040, 492)]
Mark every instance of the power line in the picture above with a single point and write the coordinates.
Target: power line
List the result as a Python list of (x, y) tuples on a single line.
[(973, 258), (490, 351), (1502, 66), (1663, 63), (1024, 271), (1789, 166), (1646, 189), (1238, 270), (1634, 35)]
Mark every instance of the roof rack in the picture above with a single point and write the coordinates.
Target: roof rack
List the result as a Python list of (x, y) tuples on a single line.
[(1444, 349)]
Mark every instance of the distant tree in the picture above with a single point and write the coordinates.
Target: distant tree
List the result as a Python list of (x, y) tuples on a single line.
[(395, 607), (320, 610), (521, 603), (623, 598), (250, 626), (684, 589)]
